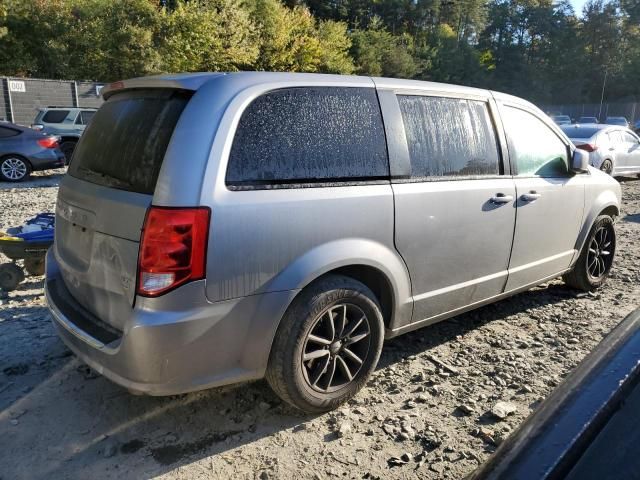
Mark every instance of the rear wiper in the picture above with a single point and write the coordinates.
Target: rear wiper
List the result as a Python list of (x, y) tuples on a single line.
[(115, 181)]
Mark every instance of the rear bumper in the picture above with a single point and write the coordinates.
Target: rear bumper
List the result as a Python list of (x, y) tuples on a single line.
[(47, 158), (172, 344)]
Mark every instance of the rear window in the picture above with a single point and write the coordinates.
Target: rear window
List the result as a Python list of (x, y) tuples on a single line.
[(579, 132), (85, 117), (124, 145), (8, 132), (449, 137), (307, 135), (55, 116)]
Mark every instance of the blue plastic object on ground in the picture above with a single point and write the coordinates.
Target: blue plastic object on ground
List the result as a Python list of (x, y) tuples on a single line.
[(46, 221)]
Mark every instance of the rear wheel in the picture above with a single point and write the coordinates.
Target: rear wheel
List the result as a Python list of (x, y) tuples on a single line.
[(596, 258), (327, 345), (67, 147), (14, 169), (607, 167), (10, 276), (34, 265)]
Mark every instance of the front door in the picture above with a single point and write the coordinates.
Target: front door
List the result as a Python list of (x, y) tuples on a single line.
[(455, 215), (550, 199), (630, 152)]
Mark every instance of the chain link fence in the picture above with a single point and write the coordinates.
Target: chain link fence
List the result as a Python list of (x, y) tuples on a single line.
[(20, 98)]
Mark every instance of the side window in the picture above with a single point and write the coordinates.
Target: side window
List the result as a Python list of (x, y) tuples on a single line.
[(615, 138), (303, 135), (629, 138), (55, 116), (534, 148), (8, 132), (449, 136)]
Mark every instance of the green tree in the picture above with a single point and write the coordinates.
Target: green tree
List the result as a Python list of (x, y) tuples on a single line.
[(113, 40), (291, 39), (199, 36), (33, 43), (378, 52)]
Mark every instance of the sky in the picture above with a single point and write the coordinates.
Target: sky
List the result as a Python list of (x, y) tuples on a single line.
[(577, 6)]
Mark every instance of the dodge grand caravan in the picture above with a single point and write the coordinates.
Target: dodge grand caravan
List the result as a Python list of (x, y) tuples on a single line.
[(217, 228)]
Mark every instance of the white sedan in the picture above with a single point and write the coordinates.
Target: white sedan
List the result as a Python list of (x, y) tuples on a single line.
[(613, 149)]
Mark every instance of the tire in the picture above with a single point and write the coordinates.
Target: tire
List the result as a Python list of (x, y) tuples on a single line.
[(14, 168), (596, 258), (67, 148), (34, 266), (607, 167), (10, 276), (321, 382)]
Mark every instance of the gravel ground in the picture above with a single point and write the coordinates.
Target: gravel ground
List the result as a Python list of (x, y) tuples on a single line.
[(426, 413)]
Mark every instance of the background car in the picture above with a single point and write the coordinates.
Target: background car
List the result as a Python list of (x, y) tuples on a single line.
[(612, 149), (587, 120), (67, 122), (623, 122), (23, 150), (561, 119), (589, 427)]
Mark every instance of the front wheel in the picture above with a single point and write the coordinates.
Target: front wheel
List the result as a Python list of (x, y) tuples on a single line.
[(596, 258), (10, 276), (327, 345)]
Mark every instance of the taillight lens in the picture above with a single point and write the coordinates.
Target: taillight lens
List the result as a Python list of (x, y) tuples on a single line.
[(172, 249), (589, 147), (48, 142)]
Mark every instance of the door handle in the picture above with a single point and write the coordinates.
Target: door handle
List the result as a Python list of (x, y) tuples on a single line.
[(501, 198), (532, 196)]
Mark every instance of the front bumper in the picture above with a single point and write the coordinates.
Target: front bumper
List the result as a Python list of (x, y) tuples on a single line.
[(172, 344)]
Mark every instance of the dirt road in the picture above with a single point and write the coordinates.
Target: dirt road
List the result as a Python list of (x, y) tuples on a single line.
[(426, 413)]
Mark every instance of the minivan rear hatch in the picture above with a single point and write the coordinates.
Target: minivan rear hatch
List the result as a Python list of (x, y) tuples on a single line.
[(103, 200)]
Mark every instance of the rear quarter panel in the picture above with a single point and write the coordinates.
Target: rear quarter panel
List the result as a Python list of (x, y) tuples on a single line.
[(282, 239)]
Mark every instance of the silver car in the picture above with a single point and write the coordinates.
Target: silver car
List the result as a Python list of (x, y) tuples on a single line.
[(612, 149), (561, 119), (620, 121), (66, 122), (217, 228)]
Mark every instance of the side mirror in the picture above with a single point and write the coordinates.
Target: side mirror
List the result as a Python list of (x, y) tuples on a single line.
[(579, 161)]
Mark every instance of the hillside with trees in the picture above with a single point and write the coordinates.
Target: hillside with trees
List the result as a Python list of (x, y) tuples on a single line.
[(538, 49)]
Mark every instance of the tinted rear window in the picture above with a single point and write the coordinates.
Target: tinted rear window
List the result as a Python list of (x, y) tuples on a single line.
[(303, 135), (579, 132), (449, 136), (85, 117), (55, 116), (8, 132), (124, 145)]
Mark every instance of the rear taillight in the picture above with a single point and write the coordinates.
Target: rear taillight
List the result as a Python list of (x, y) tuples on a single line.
[(48, 142), (588, 147), (172, 249)]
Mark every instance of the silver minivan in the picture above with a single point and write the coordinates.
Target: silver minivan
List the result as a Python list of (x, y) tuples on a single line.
[(216, 228)]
